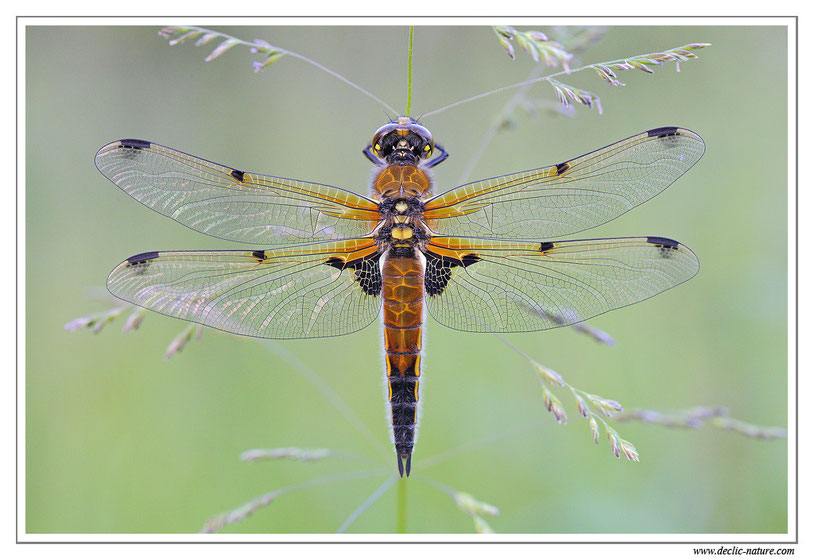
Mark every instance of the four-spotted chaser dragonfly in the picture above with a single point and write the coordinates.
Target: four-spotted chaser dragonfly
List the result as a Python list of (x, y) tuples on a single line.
[(484, 257)]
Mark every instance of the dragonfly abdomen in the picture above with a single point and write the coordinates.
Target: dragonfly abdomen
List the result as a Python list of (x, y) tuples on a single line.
[(403, 295)]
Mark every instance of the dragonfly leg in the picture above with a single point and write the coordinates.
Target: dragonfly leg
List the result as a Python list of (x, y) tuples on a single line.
[(439, 158), (368, 153)]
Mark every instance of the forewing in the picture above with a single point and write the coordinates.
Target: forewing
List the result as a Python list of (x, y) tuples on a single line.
[(308, 291), (569, 197), (503, 286), (230, 204)]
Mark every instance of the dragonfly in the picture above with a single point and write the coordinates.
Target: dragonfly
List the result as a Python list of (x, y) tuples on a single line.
[(489, 256)]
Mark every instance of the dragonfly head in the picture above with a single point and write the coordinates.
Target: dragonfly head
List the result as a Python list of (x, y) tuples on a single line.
[(403, 142)]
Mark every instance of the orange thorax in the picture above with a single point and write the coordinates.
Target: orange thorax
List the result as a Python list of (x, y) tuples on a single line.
[(401, 181)]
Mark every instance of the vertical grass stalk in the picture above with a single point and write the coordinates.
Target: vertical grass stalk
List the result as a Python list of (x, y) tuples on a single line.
[(401, 506), (409, 73)]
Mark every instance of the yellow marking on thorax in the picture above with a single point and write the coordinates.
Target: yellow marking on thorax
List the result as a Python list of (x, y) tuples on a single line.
[(401, 232)]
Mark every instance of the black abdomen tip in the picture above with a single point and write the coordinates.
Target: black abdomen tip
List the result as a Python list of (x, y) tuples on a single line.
[(402, 467)]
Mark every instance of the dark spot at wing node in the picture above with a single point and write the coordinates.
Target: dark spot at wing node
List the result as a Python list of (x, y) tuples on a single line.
[(663, 132), (365, 272), (546, 246), (135, 144), (237, 175), (439, 271), (563, 167), (142, 258), (666, 246), (259, 255)]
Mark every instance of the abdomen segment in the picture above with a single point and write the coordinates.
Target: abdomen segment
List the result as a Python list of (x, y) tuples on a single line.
[(403, 295)]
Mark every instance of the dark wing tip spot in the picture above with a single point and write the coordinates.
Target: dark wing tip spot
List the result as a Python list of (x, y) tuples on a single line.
[(237, 175), (663, 131), (142, 257), (546, 246), (135, 144), (563, 167), (663, 242), (261, 255), (666, 246)]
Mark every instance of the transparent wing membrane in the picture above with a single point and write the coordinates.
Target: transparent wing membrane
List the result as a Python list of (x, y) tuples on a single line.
[(308, 291), (230, 204), (504, 286), (474, 281), (569, 197)]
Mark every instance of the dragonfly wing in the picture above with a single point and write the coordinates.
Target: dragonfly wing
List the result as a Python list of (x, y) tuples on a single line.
[(571, 196), (307, 291), (230, 204), (509, 286)]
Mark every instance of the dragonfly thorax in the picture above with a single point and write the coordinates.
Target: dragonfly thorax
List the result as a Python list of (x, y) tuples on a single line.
[(402, 232), (401, 182), (411, 207), (401, 224)]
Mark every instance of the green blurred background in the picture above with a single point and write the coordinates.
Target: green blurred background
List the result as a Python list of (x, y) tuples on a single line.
[(121, 440)]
